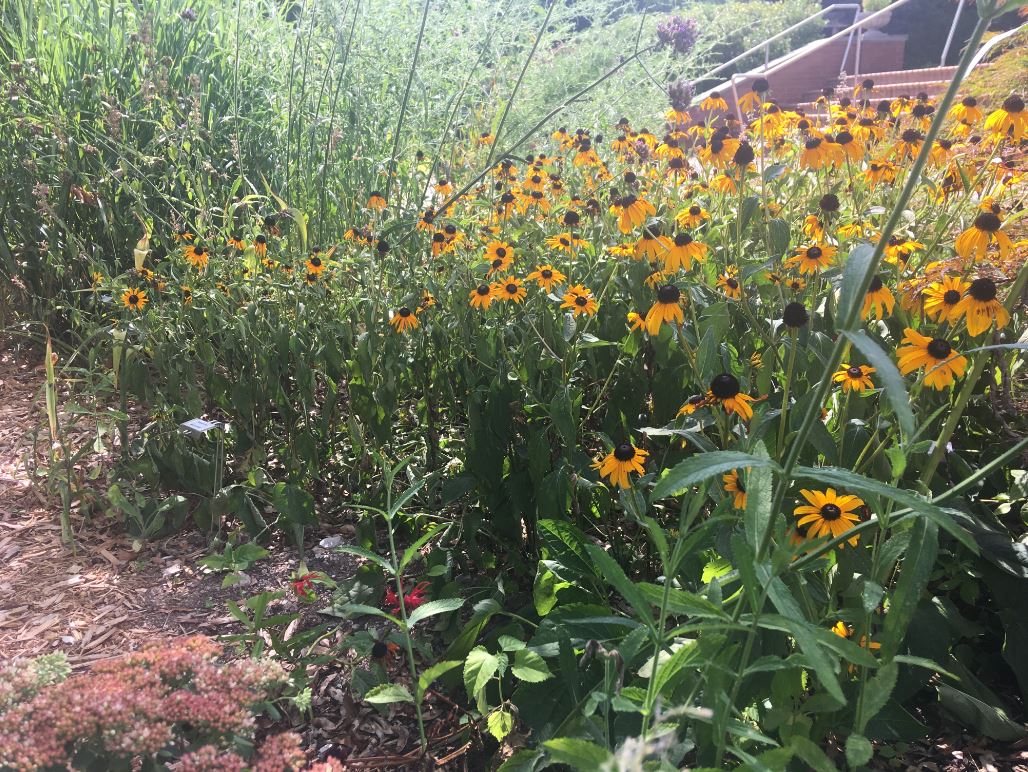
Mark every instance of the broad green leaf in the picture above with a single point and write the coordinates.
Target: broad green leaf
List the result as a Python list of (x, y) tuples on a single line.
[(807, 640), (429, 674), (479, 667), (680, 602), (876, 693), (886, 371), (386, 693), (529, 666), (915, 571), (433, 607), (857, 483), (704, 466), (811, 754), (566, 545), (678, 661), (351, 609), (988, 719), (757, 483), (510, 643), (858, 265), (500, 723), (544, 589), (524, 760), (366, 554), (406, 496), (616, 577), (858, 750), (577, 754)]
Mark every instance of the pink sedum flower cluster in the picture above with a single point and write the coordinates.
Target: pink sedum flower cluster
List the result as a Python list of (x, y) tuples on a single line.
[(141, 703)]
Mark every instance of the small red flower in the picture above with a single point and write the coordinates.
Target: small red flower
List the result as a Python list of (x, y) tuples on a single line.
[(411, 600), (303, 586)]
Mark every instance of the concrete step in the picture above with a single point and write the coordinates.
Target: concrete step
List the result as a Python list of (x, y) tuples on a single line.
[(891, 91), (881, 79)]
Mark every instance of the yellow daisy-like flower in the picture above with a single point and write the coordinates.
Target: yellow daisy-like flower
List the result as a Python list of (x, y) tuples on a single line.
[(942, 364), (966, 111), (818, 154), (694, 403), (714, 101), (632, 212), (796, 284), (135, 299), (828, 514), (376, 201), (980, 307), (482, 296), (812, 259), (237, 242), (878, 301), (681, 252), (651, 244), (547, 277), (499, 255), (510, 289), (668, 308), (404, 320), (196, 256), (729, 282), (1010, 120), (316, 263), (735, 487), (693, 216), (726, 390), (566, 242), (260, 245), (943, 297), (183, 235), (635, 321), (580, 300), (974, 242), (854, 377), (187, 294), (620, 462)]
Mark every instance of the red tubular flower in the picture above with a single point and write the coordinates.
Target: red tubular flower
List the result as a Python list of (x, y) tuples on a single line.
[(411, 600)]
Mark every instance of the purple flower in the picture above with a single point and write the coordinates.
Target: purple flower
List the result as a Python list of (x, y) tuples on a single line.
[(678, 33), (680, 94)]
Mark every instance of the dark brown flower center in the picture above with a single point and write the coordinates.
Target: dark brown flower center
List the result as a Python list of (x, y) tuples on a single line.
[(988, 222), (624, 452), (813, 144), (483, 289), (501, 252), (830, 512), (669, 294), (939, 349), (546, 273), (133, 299), (404, 312), (814, 253), (951, 297), (854, 372), (982, 290), (316, 261), (724, 386), (732, 283), (695, 210), (1013, 104), (683, 239), (876, 284), (512, 289), (581, 301)]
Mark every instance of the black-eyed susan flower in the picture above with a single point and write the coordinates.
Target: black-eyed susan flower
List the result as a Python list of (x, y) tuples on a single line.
[(714, 101), (196, 255), (795, 315), (812, 258), (882, 171), (316, 263), (482, 296), (499, 255), (753, 98), (376, 201), (651, 244), (725, 389), (719, 151), (845, 147), (941, 363), (566, 242), (404, 320), (816, 154), (681, 252), (237, 242), (310, 278), (966, 111), (980, 307), (1010, 120), (635, 321), (632, 212), (694, 403), (510, 288), (878, 300), (579, 300), (854, 377), (986, 229), (941, 298), (547, 277), (899, 249), (724, 183), (813, 227), (735, 488), (729, 282), (620, 462), (692, 216), (796, 283), (260, 245), (908, 145), (187, 294), (135, 299), (183, 235), (666, 309), (827, 513), (486, 138)]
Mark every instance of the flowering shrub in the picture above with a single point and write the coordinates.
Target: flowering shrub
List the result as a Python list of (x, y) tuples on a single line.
[(156, 703)]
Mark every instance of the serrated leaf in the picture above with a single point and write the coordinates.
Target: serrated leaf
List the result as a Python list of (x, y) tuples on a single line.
[(510, 643), (384, 694), (702, 467), (429, 674), (616, 577), (479, 667), (413, 550), (858, 750), (877, 692), (433, 607), (500, 723), (530, 667)]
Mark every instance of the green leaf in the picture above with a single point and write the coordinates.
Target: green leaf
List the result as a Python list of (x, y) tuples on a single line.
[(616, 577), (529, 666), (893, 383), (758, 498), (294, 504), (915, 572), (544, 589), (500, 723), (704, 466), (524, 760), (681, 602), (479, 667), (577, 754), (386, 693), (429, 674), (510, 643), (859, 263), (351, 609), (678, 661), (988, 719), (811, 754), (858, 750), (433, 607), (367, 554), (566, 545), (414, 550), (865, 485), (877, 692)]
